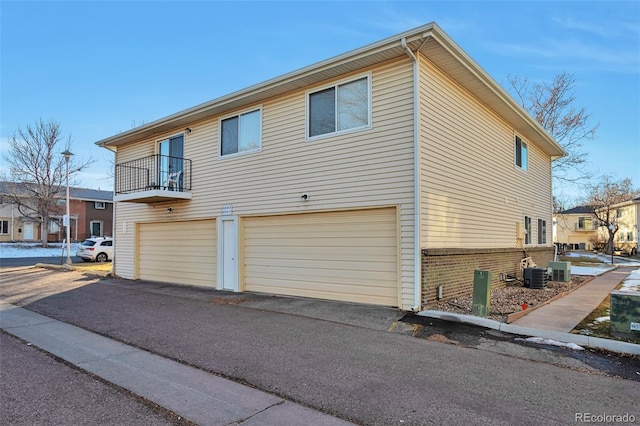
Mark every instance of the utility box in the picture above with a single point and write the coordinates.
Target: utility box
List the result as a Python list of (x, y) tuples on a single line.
[(625, 313), (560, 271), (481, 293)]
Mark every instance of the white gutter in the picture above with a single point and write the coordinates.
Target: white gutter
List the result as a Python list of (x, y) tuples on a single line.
[(417, 253), (114, 150)]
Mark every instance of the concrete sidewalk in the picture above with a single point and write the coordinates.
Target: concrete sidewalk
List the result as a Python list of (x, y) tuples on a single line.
[(564, 314), (189, 392)]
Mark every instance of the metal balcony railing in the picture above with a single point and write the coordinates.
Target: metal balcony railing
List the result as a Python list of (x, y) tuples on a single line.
[(156, 172)]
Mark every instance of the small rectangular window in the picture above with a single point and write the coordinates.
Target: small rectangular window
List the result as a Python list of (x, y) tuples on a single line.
[(339, 108), (4, 226), (527, 230), (542, 231), (100, 205), (241, 133), (54, 227), (521, 154), (585, 223)]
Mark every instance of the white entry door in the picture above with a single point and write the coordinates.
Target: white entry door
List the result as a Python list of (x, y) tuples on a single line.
[(228, 253), (27, 232)]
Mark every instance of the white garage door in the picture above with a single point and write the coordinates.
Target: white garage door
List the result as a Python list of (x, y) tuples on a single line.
[(178, 252), (349, 256)]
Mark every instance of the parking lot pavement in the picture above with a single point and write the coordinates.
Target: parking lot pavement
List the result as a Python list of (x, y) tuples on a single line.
[(37, 389), (362, 374), (191, 393)]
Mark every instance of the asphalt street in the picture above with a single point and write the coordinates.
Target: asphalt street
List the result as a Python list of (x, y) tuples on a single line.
[(363, 374)]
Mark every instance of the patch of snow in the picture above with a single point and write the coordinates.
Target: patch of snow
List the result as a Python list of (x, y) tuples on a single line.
[(602, 319), (604, 258), (632, 282), (12, 250), (542, 341), (591, 270)]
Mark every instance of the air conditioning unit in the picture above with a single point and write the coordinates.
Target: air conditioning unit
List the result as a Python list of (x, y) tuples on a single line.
[(560, 271), (535, 278)]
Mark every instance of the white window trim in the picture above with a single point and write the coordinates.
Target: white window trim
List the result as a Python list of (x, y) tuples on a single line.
[(335, 84), (238, 114), (104, 205), (515, 164)]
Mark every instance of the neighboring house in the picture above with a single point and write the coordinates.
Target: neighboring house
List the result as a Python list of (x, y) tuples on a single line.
[(575, 229), (91, 214), (627, 218), (376, 176)]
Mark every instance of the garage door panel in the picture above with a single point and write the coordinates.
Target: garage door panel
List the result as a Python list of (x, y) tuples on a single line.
[(292, 284), (350, 256), (351, 253), (315, 266), (178, 252), (332, 292)]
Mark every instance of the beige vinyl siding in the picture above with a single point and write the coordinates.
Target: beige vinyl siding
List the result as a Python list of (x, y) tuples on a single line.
[(362, 169), (349, 256), (472, 192), (178, 252)]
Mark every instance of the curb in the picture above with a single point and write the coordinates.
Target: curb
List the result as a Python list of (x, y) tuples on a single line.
[(578, 339)]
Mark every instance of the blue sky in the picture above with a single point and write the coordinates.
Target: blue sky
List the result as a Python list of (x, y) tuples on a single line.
[(100, 68)]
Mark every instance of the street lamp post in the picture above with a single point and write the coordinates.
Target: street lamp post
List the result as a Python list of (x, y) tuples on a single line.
[(612, 227), (67, 154)]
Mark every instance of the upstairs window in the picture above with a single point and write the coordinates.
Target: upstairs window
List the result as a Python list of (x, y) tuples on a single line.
[(585, 223), (241, 133), (339, 108), (99, 205), (521, 154)]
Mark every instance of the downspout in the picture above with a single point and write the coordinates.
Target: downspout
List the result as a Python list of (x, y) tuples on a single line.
[(417, 256), (113, 212)]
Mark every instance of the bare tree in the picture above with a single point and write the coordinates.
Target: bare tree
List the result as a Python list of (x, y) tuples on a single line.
[(37, 171), (606, 196), (553, 106)]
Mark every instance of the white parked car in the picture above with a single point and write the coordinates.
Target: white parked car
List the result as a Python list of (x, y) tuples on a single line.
[(96, 249)]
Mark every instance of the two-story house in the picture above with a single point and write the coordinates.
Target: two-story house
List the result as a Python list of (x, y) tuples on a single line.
[(627, 219), (384, 175), (575, 229), (91, 214)]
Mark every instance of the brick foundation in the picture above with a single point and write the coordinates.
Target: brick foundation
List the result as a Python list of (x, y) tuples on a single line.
[(453, 268)]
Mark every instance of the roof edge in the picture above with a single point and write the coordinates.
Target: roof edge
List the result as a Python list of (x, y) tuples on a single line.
[(416, 33)]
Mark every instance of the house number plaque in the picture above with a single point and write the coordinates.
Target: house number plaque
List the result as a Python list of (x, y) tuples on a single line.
[(227, 210)]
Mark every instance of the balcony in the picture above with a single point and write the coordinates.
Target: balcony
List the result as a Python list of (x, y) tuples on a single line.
[(153, 179)]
